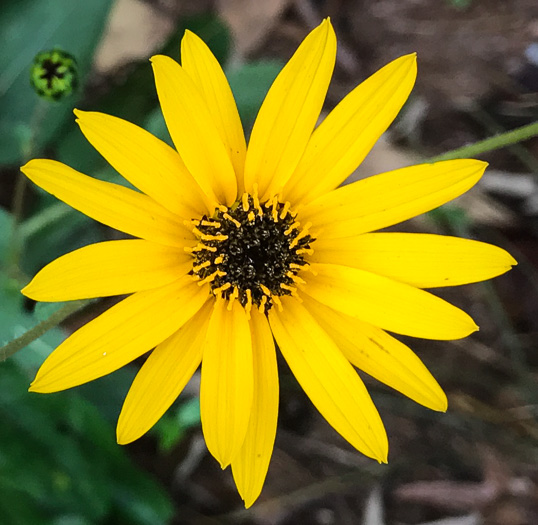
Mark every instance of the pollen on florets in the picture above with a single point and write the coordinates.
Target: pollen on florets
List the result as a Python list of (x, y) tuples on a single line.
[(251, 252)]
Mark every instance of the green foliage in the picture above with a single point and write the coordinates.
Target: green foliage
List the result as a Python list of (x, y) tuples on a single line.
[(60, 464), (171, 428), (14, 320), (72, 231), (258, 77), (29, 27), (451, 218)]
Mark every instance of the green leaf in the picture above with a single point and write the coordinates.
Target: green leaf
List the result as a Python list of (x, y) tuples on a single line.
[(171, 428), (15, 321), (250, 83), (72, 231), (60, 464), (15, 509), (6, 222), (43, 311), (451, 218), (188, 415), (71, 519), (28, 27), (156, 125), (108, 393)]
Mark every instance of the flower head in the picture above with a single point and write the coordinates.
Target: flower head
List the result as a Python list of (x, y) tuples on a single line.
[(237, 247)]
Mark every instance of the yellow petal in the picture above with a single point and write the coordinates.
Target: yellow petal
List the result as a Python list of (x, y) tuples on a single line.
[(328, 379), (121, 334), (116, 206), (145, 161), (390, 198), (382, 356), (423, 260), (193, 131), (226, 389), (344, 138), (388, 304), (201, 65), (249, 468), (289, 113), (109, 268), (162, 377)]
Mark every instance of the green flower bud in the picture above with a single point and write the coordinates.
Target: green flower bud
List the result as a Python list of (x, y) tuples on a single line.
[(54, 74)]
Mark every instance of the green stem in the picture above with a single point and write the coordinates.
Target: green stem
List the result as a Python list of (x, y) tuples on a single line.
[(40, 329), (518, 150), (15, 246), (20, 185), (498, 141), (51, 215)]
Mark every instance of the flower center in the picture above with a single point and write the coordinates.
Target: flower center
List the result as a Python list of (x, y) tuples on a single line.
[(51, 70), (251, 252)]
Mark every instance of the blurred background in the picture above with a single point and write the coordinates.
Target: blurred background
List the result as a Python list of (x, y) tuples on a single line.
[(476, 464)]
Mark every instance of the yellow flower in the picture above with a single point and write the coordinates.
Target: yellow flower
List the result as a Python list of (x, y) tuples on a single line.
[(238, 246)]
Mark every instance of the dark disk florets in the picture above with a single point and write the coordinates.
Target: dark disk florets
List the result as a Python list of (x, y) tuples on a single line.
[(251, 251)]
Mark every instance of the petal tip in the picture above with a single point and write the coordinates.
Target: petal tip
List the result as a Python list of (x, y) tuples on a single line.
[(123, 438), (467, 328), (249, 501), (35, 387), (441, 404), (384, 458), (479, 165), (27, 166), (162, 64), (41, 385), (34, 164), (83, 117), (35, 291), (189, 34), (381, 451), (155, 59), (326, 27), (30, 291), (188, 37), (411, 57)]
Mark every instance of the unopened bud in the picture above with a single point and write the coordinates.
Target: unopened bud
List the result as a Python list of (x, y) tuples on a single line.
[(54, 74)]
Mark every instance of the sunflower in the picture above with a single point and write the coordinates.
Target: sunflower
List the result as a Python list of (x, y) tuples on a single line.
[(237, 247)]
